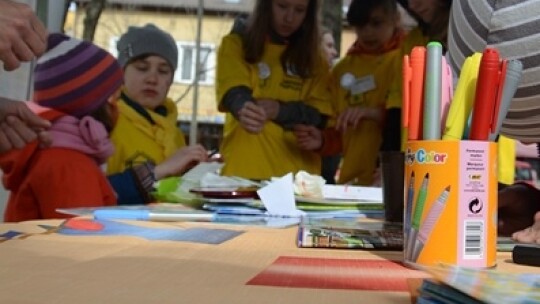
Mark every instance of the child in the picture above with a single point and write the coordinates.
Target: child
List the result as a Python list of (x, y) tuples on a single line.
[(361, 82), (75, 87), (148, 144), (271, 76)]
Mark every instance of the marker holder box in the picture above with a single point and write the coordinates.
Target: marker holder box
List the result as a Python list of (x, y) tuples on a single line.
[(450, 203)]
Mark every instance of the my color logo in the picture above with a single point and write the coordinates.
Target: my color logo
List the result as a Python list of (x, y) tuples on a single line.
[(423, 157)]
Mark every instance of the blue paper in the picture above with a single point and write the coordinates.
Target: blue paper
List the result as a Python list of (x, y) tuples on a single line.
[(195, 235)]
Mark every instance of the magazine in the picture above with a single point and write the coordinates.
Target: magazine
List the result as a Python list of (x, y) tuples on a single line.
[(349, 233)]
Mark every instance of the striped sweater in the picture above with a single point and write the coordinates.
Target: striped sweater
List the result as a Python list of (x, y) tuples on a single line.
[(511, 26)]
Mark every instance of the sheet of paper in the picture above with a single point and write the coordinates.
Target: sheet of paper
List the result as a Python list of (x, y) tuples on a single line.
[(346, 192), (278, 197)]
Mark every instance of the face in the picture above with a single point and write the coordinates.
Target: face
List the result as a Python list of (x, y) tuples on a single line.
[(329, 47), (378, 31), (288, 15), (425, 9), (147, 81)]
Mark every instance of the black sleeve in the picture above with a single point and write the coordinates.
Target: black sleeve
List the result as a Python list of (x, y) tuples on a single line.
[(297, 112), (392, 130), (235, 99)]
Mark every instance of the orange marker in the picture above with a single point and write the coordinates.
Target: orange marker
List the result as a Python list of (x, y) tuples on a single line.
[(417, 64), (406, 91)]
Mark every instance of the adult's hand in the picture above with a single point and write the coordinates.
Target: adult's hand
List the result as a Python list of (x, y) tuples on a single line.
[(19, 126), (181, 161), (252, 117), (518, 204), (22, 36)]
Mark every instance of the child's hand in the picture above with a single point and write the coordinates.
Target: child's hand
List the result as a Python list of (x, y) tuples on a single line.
[(308, 137), (270, 106), (352, 116), (181, 161), (252, 117)]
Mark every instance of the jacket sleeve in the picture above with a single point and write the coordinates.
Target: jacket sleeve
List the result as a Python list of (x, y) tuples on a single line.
[(134, 186)]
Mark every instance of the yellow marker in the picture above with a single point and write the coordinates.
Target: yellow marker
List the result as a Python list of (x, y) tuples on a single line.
[(463, 99)]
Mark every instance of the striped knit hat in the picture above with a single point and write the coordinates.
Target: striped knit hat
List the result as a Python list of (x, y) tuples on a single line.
[(75, 77)]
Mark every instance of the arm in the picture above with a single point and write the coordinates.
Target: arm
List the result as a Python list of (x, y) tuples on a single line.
[(134, 185), (129, 188), (20, 126), (22, 37)]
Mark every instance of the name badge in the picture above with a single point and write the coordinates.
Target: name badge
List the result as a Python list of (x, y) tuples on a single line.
[(362, 85)]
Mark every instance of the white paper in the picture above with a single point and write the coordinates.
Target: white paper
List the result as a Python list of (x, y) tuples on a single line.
[(278, 197), (346, 192)]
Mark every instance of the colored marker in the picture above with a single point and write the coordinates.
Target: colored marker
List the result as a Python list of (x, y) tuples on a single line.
[(431, 128), (417, 63), (486, 95), (463, 99), (147, 215), (447, 91), (406, 91), (429, 222), (514, 69), (417, 216)]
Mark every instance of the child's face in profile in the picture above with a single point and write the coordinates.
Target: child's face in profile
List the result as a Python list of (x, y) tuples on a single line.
[(425, 9), (380, 28), (147, 81)]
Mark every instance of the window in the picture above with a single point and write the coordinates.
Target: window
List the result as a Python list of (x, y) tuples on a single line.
[(185, 72), (186, 63)]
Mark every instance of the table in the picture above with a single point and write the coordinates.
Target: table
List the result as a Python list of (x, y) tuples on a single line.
[(56, 268)]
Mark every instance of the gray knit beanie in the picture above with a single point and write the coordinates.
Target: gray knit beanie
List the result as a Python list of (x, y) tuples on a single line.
[(147, 40)]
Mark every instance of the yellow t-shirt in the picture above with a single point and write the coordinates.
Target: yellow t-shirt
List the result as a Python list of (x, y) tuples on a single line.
[(274, 151), (374, 84), (136, 140)]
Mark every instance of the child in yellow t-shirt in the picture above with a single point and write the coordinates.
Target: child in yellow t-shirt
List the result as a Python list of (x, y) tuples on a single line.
[(362, 86), (271, 76)]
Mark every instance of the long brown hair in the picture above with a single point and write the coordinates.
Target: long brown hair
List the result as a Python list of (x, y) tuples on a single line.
[(303, 48)]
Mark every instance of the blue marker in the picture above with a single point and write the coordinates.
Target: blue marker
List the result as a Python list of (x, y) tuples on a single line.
[(147, 215)]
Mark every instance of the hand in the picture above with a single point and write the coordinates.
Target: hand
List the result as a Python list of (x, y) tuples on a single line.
[(531, 234), (518, 204), (22, 37), (19, 126), (252, 117), (270, 106), (354, 115), (308, 137), (377, 178), (181, 161)]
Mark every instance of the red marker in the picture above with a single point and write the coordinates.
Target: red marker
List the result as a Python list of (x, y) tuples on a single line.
[(486, 96)]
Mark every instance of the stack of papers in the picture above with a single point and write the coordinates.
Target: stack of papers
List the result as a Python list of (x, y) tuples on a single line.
[(453, 284)]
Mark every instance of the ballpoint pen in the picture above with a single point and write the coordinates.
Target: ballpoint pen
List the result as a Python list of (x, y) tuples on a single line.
[(514, 69), (417, 62), (429, 222), (463, 99), (408, 208), (489, 78), (431, 128)]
